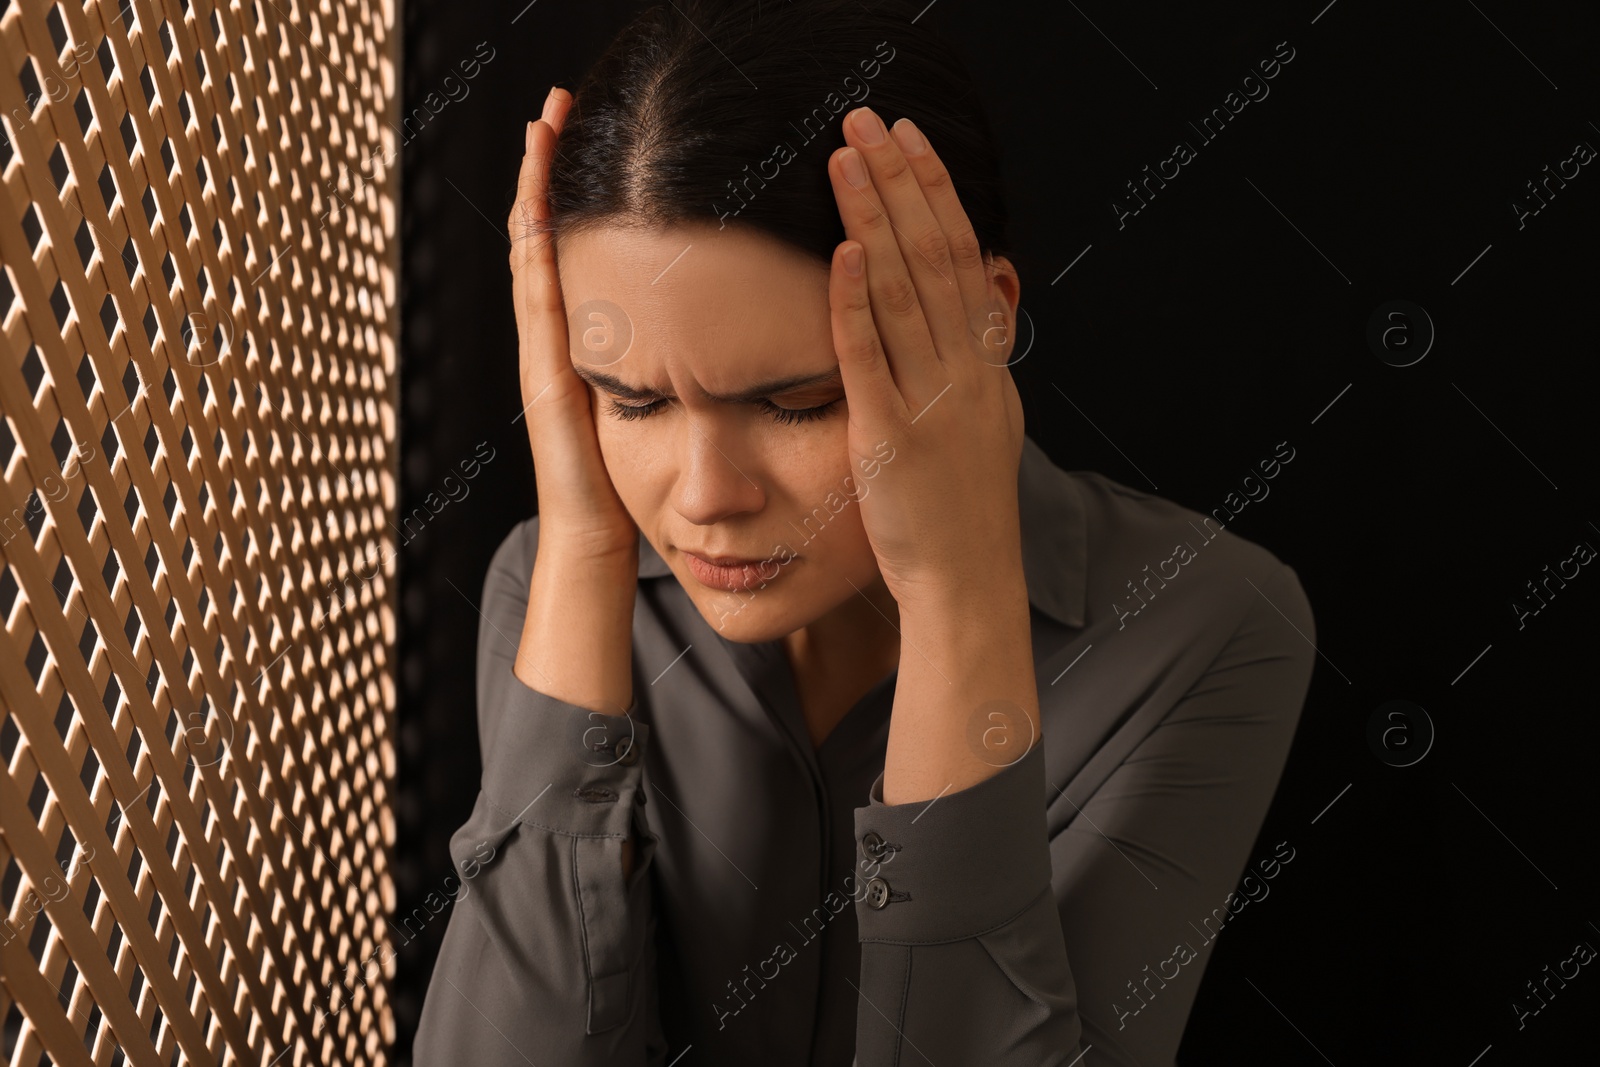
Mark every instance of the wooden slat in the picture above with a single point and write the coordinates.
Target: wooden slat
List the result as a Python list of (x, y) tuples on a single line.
[(186, 529)]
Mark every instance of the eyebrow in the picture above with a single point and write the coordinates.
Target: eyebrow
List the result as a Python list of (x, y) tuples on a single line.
[(612, 384)]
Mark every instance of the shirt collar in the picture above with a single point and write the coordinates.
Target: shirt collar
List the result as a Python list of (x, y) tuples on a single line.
[(1054, 542)]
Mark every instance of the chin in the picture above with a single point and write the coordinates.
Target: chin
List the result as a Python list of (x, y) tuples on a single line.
[(749, 617)]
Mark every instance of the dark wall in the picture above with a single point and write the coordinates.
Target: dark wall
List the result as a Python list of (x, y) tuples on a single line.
[(1174, 348)]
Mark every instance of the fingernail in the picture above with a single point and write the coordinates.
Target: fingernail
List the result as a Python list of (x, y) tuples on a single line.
[(907, 137), (852, 260), (528, 140), (868, 125), (855, 171), (549, 98)]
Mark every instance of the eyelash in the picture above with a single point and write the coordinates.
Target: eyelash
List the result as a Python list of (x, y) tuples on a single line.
[(788, 416)]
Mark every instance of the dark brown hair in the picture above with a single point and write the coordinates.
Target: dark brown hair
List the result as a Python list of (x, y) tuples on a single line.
[(727, 110)]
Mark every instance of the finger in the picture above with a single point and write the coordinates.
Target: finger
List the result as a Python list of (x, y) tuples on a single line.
[(556, 105), (528, 212), (897, 312), (966, 253), (924, 247), (527, 223), (871, 395), (540, 312)]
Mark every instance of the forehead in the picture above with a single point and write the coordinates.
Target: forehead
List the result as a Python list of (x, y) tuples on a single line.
[(696, 289)]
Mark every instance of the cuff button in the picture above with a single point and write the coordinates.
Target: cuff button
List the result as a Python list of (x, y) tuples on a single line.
[(877, 895)]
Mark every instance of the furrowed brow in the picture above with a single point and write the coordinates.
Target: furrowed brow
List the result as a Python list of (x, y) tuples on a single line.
[(616, 386)]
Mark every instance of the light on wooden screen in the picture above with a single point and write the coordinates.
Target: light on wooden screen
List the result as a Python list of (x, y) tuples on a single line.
[(198, 376)]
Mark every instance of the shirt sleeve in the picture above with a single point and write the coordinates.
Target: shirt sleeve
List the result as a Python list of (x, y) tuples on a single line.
[(990, 941), (549, 955)]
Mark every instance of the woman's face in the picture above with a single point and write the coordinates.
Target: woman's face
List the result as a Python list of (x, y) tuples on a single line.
[(662, 325)]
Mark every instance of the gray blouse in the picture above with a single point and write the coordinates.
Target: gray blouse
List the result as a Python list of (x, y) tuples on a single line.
[(780, 913)]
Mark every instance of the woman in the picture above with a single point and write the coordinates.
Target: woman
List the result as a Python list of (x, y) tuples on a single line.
[(843, 725)]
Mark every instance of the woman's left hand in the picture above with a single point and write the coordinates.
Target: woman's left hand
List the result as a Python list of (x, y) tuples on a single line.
[(922, 340)]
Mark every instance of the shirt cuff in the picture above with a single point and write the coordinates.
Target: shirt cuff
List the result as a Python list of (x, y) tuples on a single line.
[(958, 866), (562, 767)]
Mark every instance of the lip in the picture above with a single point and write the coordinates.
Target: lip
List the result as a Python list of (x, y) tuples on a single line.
[(731, 574)]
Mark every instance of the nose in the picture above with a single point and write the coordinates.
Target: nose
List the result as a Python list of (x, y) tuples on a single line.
[(715, 482)]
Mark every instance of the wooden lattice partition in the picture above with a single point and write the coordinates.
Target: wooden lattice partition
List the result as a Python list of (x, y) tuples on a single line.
[(198, 376)]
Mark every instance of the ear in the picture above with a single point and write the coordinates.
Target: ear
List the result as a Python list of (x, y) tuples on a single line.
[(1004, 294), (1004, 285)]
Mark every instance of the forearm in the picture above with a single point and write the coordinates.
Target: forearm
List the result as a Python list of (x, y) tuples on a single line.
[(577, 638), (966, 703)]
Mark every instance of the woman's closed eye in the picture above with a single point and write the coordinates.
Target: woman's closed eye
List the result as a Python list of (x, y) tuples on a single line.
[(789, 416)]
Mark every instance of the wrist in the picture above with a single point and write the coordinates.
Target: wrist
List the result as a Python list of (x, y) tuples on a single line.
[(963, 603), (984, 568), (576, 641), (610, 560)]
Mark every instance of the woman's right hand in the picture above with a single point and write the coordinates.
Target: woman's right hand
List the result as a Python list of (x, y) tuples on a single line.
[(580, 514), (576, 641)]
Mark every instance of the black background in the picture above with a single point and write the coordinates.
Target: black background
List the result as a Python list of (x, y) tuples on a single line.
[(1228, 315)]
